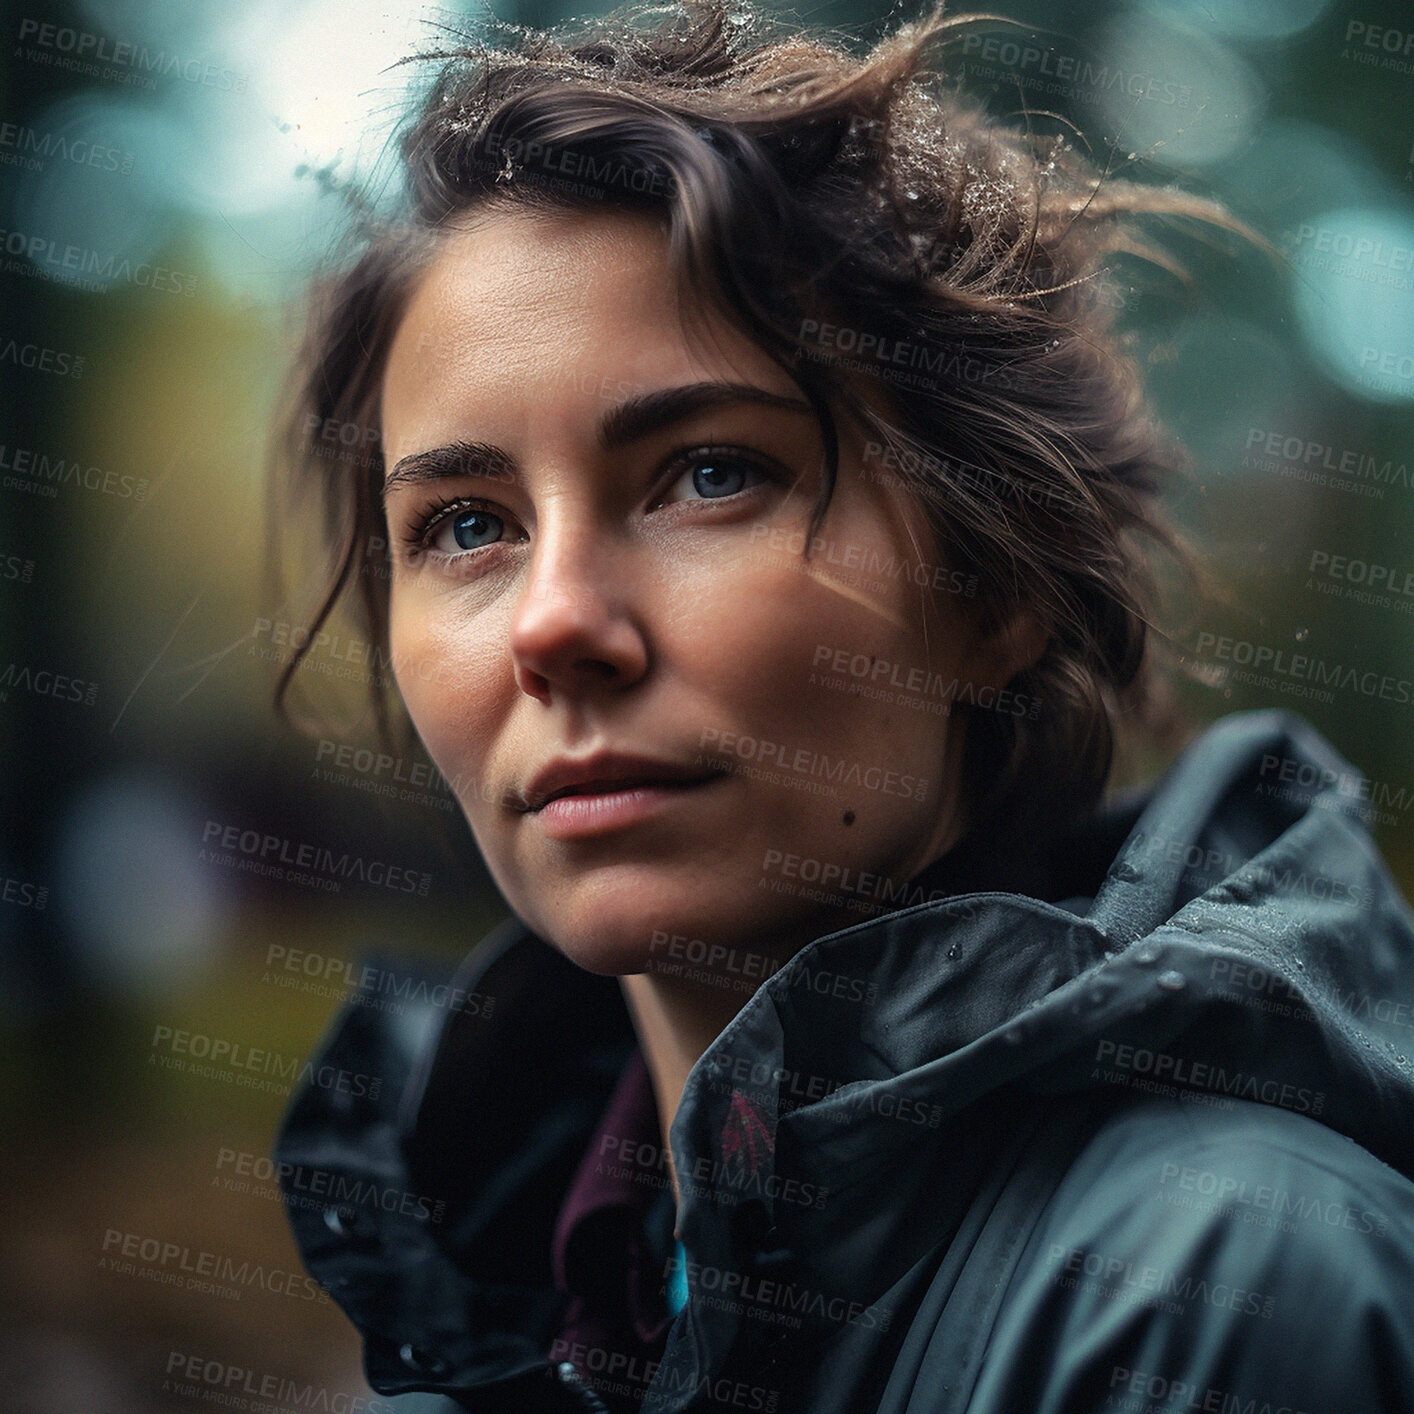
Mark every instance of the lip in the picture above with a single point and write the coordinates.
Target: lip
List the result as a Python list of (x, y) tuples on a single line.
[(609, 773)]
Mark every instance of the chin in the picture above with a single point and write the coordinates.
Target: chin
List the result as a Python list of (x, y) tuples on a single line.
[(606, 952), (632, 928)]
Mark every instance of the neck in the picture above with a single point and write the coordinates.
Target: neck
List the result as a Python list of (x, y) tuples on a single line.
[(675, 1023), (677, 1020)]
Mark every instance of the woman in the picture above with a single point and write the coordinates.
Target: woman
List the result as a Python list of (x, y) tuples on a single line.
[(756, 528)]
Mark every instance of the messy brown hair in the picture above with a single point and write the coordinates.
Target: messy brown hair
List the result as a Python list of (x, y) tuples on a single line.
[(897, 251)]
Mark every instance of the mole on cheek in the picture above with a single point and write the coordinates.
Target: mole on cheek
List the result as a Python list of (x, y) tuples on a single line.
[(849, 817)]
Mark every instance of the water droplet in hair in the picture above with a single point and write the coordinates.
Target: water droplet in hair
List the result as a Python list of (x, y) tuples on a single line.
[(911, 194), (1172, 981)]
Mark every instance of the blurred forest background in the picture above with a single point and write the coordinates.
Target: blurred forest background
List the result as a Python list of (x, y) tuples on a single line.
[(188, 149)]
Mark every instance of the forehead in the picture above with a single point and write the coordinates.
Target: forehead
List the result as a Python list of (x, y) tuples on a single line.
[(557, 313)]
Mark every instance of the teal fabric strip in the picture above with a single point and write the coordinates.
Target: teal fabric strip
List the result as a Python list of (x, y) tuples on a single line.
[(677, 1282)]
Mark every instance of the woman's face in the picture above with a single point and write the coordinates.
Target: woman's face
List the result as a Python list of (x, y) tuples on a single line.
[(599, 591)]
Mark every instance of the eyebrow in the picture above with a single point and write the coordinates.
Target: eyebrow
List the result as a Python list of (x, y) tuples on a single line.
[(625, 423)]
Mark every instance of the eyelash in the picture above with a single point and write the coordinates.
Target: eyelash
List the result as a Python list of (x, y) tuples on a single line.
[(426, 521)]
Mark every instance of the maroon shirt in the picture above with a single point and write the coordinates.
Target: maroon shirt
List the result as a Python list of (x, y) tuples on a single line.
[(613, 1241)]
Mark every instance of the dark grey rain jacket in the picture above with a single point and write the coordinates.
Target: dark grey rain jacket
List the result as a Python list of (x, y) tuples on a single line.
[(1134, 1135)]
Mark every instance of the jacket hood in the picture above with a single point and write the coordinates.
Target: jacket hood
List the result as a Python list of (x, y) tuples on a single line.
[(1229, 933)]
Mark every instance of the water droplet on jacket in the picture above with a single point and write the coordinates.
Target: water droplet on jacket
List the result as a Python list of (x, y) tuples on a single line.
[(1012, 1035), (954, 952), (1172, 981), (1147, 952), (1125, 872), (1302, 634)]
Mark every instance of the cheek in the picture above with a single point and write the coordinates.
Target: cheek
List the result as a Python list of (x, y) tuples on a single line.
[(766, 644), (449, 675)]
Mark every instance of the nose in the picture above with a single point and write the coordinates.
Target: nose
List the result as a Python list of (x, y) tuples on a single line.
[(574, 629)]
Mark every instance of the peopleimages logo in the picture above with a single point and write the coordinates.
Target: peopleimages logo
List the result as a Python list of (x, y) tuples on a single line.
[(715, 964), (1379, 46), (868, 675), (614, 1371), (21, 145), (281, 858), (374, 987), (1033, 64), (42, 358), (193, 1376), (1289, 778), (828, 771), (88, 269), (43, 474), (1170, 1290), (1205, 1075), (557, 165), (214, 1273), (1271, 666), (1352, 468), (23, 894), (1148, 1392), (342, 656), (1232, 1194), (931, 366), (766, 1298), (85, 52), (299, 1186), (42, 682), (1361, 581), (217, 1058)]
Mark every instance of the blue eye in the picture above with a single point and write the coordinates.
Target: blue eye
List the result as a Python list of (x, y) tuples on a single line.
[(471, 529), (718, 478), (714, 476)]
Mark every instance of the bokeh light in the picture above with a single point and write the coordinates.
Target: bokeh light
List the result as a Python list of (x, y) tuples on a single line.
[(1354, 296)]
